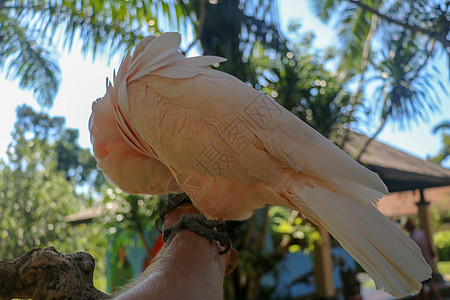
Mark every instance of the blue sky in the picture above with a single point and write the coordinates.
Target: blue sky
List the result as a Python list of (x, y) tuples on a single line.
[(417, 139), (83, 80)]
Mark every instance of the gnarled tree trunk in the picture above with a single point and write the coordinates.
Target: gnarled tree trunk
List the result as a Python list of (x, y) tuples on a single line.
[(48, 274)]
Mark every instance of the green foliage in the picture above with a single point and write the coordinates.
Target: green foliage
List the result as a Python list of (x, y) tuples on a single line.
[(408, 34), (123, 22), (444, 153), (299, 81), (78, 164), (291, 227), (440, 211), (33, 204), (231, 28), (443, 126), (431, 16), (262, 242), (407, 94), (444, 267), (25, 59), (354, 23), (442, 242), (35, 195), (353, 26), (129, 221), (129, 213), (29, 30)]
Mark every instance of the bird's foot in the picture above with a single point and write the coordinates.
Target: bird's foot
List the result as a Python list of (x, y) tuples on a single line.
[(173, 203), (210, 229)]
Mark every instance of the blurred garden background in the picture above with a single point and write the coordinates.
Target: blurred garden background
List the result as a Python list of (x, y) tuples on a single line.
[(376, 68)]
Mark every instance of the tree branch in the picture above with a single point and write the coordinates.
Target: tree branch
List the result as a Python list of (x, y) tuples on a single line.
[(48, 274), (429, 54), (380, 127), (364, 64), (414, 28)]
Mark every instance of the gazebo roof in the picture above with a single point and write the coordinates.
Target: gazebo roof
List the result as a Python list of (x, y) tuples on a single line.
[(400, 171), (405, 203)]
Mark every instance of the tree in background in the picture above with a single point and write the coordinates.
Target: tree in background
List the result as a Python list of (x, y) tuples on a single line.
[(30, 32), (444, 153), (37, 192), (409, 35), (404, 93), (299, 80), (77, 163), (231, 28), (130, 224)]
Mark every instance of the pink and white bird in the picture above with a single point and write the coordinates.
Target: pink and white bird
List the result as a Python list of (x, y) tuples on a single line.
[(169, 123)]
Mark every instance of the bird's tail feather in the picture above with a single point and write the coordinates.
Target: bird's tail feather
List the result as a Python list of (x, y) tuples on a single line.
[(387, 254)]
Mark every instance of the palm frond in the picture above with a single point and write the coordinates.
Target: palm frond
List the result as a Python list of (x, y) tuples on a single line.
[(101, 25), (352, 32), (325, 9), (29, 27), (444, 125), (25, 59), (411, 93)]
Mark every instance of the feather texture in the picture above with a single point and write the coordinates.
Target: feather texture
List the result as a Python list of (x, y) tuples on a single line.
[(171, 123)]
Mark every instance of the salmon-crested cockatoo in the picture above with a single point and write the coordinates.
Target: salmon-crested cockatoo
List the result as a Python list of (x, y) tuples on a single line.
[(169, 123)]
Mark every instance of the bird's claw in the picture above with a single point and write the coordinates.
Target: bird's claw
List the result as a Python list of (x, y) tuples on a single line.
[(203, 227), (173, 203)]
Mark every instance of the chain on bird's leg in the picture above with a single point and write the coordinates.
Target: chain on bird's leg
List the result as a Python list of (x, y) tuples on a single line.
[(210, 229), (174, 202)]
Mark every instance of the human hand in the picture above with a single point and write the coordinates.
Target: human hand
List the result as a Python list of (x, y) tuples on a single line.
[(229, 260)]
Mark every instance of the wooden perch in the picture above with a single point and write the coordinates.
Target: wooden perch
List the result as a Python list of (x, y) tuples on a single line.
[(48, 274)]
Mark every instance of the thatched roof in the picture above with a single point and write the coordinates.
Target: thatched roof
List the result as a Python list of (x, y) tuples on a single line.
[(399, 170), (89, 214), (405, 203)]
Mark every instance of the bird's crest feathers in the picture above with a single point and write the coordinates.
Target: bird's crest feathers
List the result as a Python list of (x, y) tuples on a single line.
[(154, 53)]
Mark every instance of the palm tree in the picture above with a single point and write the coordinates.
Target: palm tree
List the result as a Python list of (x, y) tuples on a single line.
[(355, 28), (356, 31), (355, 20), (29, 32), (434, 23), (426, 22), (231, 28), (406, 93), (444, 153)]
